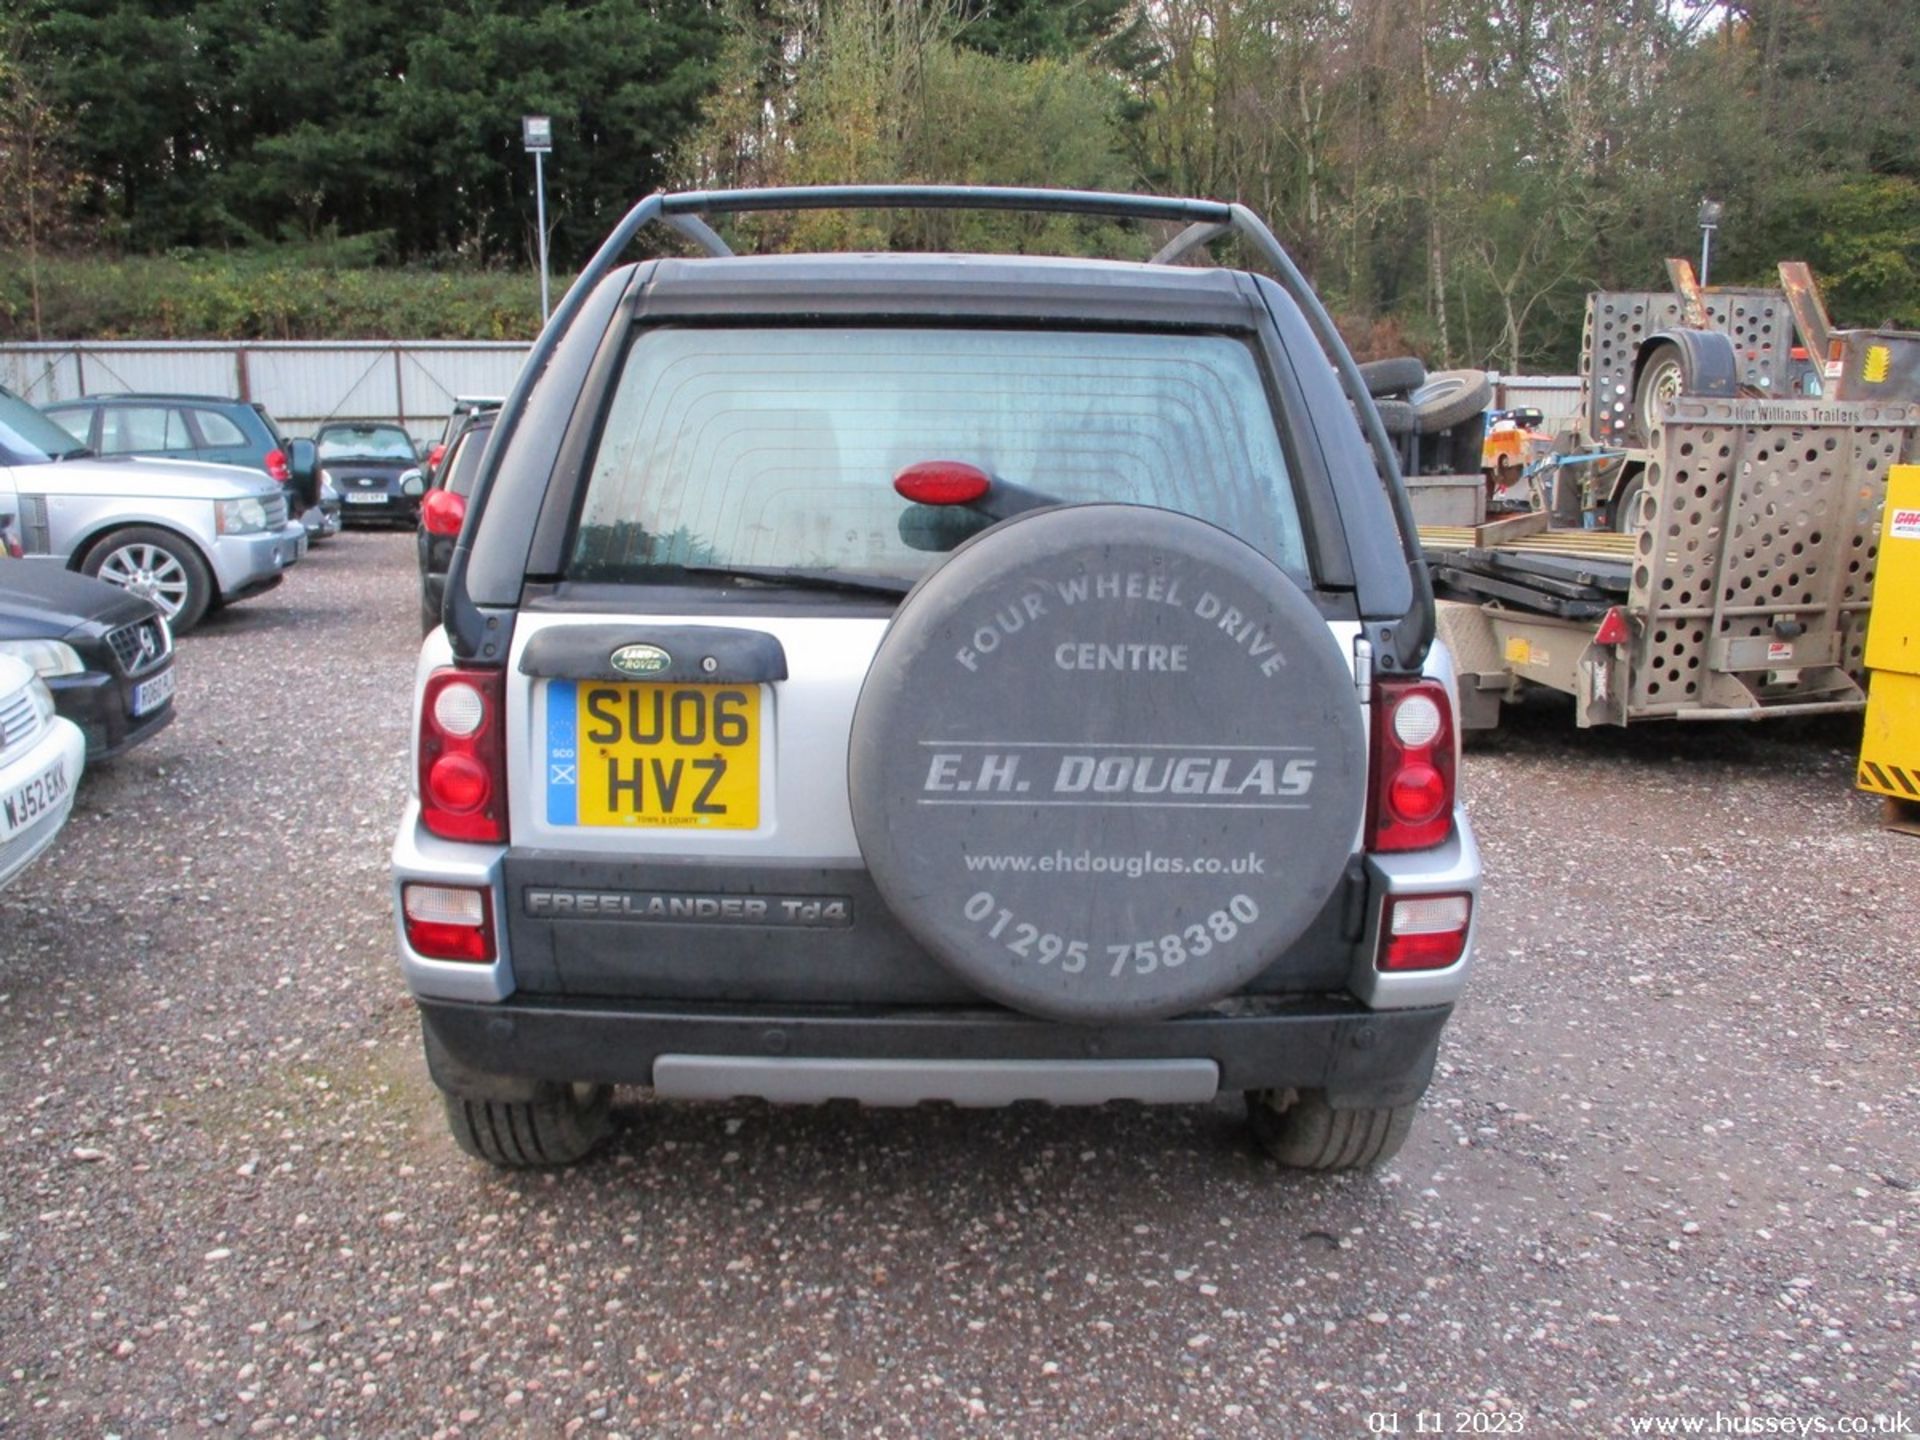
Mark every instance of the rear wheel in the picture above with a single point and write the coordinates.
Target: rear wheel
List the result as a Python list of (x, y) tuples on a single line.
[(158, 566), (1626, 509), (566, 1125), (1663, 380), (1300, 1129)]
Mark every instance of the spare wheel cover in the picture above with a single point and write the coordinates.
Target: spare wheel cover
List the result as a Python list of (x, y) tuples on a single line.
[(1108, 763)]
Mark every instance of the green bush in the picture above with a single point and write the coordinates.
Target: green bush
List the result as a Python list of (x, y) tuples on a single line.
[(274, 293)]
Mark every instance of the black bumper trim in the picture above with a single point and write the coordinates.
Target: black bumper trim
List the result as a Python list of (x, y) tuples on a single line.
[(510, 1051)]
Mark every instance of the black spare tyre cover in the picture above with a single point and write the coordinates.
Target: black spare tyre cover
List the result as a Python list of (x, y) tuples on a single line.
[(1108, 763)]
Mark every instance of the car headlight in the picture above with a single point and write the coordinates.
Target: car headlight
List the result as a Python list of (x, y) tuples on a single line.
[(47, 657), (413, 484), (42, 698), (241, 517)]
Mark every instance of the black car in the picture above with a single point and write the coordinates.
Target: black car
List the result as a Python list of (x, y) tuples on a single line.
[(105, 653), (375, 468), (444, 509)]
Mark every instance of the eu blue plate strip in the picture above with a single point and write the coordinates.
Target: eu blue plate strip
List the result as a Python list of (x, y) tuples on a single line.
[(563, 760)]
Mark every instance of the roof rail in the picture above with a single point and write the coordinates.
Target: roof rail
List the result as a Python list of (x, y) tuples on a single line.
[(1207, 220)]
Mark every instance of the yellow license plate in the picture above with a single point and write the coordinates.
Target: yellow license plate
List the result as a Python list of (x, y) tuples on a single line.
[(653, 755)]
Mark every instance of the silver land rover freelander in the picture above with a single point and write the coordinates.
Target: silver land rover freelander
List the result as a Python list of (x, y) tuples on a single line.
[(976, 678)]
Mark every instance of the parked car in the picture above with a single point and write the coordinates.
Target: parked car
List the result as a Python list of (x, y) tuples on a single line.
[(375, 468), (212, 428), (106, 654), (41, 757), (187, 536), (465, 407), (444, 507), (1021, 687)]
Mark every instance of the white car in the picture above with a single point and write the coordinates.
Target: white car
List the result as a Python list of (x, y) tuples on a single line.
[(187, 536), (41, 756)]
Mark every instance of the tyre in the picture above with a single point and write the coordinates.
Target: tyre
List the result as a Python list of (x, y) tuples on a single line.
[(1299, 1129), (1093, 690), (1626, 509), (1663, 379), (1393, 377), (1449, 397), (564, 1127), (157, 565), (1397, 416)]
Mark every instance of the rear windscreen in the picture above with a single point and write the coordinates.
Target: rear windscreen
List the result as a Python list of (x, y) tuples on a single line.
[(778, 447)]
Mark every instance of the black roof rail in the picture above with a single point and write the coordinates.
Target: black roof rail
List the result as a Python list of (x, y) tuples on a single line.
[(1207, 220)]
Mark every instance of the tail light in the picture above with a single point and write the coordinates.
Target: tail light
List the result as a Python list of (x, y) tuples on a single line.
[(443, 512), (436, 454), (277, 468), (463, 755), (1424, 932), (448, 922), (1410, 789)]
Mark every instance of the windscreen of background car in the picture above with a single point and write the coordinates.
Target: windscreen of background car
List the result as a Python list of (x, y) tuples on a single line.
[(778, 447), (30, 438), (366, 443)]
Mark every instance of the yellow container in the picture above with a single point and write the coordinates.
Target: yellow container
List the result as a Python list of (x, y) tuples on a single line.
[(1890, 752)]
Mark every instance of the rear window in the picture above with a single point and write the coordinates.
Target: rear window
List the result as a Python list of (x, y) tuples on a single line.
[(464, 465), (778, 448)]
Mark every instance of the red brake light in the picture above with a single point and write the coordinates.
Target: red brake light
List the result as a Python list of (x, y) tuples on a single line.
[(277, 468), (446, 922), (942, 482), (463, 755), (434, 455), (1410, 795), (443, 512)]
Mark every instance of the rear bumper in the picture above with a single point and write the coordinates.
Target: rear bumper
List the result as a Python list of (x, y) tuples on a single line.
[(508, 1051)]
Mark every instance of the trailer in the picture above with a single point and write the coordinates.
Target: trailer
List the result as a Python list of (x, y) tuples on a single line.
[(1742, 594)]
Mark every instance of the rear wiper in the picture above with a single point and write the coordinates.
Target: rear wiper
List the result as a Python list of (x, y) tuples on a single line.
[(802, 579)]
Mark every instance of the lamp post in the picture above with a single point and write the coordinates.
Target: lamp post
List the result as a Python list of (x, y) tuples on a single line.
[(536, 134), (1710, 212)]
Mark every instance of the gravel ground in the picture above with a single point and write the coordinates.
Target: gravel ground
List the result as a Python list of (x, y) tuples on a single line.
[(1669, 1165)]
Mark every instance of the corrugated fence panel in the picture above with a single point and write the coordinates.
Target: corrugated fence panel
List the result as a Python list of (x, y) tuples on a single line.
[(412, 382), (1556, 397), (303, 387)]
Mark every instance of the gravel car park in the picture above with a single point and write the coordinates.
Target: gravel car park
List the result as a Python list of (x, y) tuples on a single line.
[(1668, 1163)]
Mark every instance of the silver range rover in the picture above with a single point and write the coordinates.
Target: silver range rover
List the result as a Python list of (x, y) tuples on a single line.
[(965, 678), (187, 536)]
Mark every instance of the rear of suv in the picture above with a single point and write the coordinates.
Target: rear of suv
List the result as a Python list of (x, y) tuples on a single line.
[(930, 677)]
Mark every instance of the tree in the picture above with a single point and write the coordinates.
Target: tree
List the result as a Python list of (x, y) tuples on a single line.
[(35, 175)]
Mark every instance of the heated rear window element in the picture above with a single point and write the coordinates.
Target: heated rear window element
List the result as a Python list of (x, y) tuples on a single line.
[(778, 448)]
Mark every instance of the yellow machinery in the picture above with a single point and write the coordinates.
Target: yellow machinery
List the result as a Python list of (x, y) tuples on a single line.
[(1890, 753)]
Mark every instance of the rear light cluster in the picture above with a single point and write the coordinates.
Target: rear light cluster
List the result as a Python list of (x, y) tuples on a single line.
[(447, 922), (1410, 793), (277, 467), (1424, 932), (443, 513), (463, 755)]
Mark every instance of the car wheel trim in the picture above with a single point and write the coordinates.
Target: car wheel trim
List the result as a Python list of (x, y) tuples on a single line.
[(149, 572)]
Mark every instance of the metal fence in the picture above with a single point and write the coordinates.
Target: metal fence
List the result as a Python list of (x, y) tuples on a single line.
[(302, 383), (411, 382), (1556, 397)]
